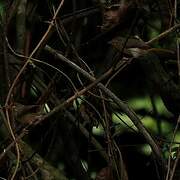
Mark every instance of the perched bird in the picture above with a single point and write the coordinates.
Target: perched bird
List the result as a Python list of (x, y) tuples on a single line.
[(132, 46), (26, 114)]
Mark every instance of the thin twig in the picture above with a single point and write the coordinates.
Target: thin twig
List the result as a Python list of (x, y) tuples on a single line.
[(23, 133), (175, 163), (6, 59), (178, 56), (72, 98), (72, 47), (130, 113), (79, 14), (45, 63), (120, 68), (14, 83), (177, 40), (93, 107), (163, 34), (33, 172), (47, 92), (170, 150), (96, 144)]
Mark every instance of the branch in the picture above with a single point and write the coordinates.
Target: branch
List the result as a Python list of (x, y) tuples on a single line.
[(96, 144), (50, 171), (129, 112), (164, 34)]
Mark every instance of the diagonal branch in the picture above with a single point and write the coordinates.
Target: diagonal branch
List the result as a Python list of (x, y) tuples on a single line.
[(129, 112)]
